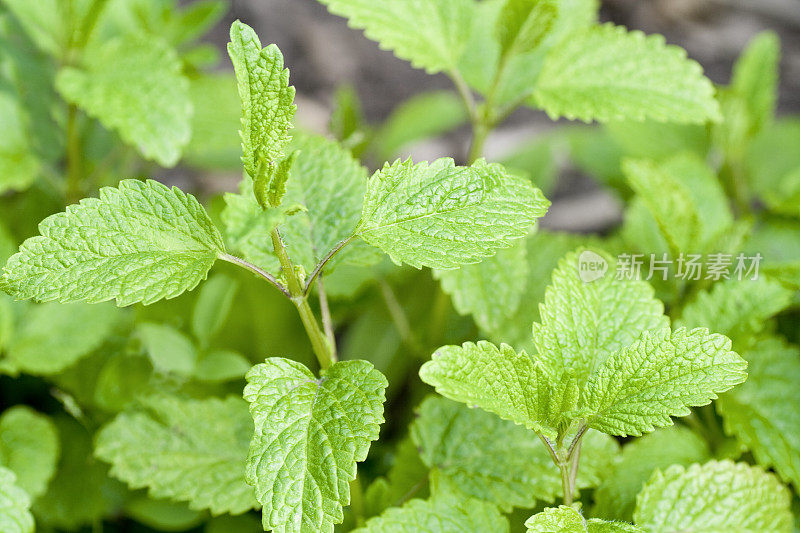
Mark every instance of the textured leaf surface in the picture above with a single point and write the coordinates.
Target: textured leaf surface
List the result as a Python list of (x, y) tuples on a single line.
[(52, 337), (330, 184), (565, 519), (490, 291), (188, 450), (615, 498), (429, 33), (15, 515), (140, 242), (267, 98), (443, 216), (29, 448), (607, 73), (134, 85), (660, 375), (736, 309), (495, 460), (309, 435), (716, 497), (583, 323), (444, 513), (512, 385), (762, 413)]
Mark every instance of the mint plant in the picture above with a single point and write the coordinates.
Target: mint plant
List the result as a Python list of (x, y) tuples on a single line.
[(278, 374)]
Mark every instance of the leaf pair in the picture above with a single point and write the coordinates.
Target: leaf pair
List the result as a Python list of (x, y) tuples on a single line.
[(604, 356)]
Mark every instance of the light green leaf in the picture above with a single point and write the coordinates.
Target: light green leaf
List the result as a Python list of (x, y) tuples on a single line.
[(122, 379), (134, 85), (444, 513), (187, 450), (217, 117), (443, 216), (660, 375), (52, 337), (163, 515), (330, 183), (429, 34), (615, 498), (221, 365), (755, 78), (717, 497), (490, 291), (15, 515), (301, 463), (736, 309), (565, 519), (420, 117), (212, 307), (48, 23), (762, 413), (497, 461), (140, 242), (607, 73), (584, 322), (267, 98), (523, 24), (685, 198), (29, 448), (169, 349), (512, 385)]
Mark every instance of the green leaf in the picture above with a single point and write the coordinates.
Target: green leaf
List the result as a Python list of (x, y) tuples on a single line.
[(407, 478), (53, 337), (140, 242), (607, 73), (330, 184), (430, 35), (422, 116), (267, 98), (134, 85), (755, 78), (565, 519), (615, 498), (443, 216), (512, 385), (221, 365), (81, 493), (169, 349), (48, 23), (301, 463), (122, 379), (490, 291), (215, 143), (29, 448), (716, 497), (19, 166), (685, 198), (523, 24), (773, 166), (15, 515), (584, 322), (444, 513), (163, 515), (660, 375), (187, 450), (212, 306), (762, 413), (494, 460), (736, 309)]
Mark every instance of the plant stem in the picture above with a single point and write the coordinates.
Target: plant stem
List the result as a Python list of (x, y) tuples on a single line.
[(327, 322), (566, 487), (319, 342), (480, 132), (318, 269), (257, 271), (73, 190)]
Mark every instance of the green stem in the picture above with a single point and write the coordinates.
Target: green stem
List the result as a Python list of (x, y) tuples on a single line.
[(325, 311), (74, 163), (480, 132), (566, 487), (319, 343)]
